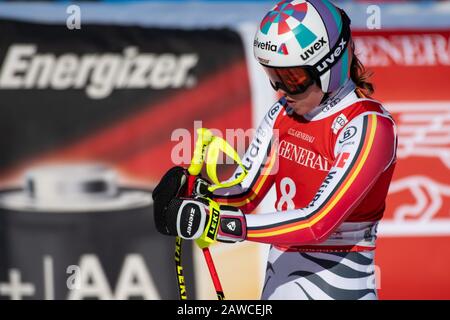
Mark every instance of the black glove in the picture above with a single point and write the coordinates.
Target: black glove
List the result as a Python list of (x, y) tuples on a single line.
[(172, 185), (188, 219)]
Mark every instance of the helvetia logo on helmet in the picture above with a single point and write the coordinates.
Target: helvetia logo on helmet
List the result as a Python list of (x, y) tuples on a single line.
[(265, 45), (283, 49)]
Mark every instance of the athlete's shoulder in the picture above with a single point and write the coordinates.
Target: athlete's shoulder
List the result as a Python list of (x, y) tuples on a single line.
[(363, 109), (364, 105), (364, 113), (346, 105), (361, 105)]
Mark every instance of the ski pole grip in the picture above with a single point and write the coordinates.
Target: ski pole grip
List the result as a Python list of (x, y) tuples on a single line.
[(204, 138)]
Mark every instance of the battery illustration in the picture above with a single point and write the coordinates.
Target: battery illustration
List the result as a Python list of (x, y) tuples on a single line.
[(73, 232)]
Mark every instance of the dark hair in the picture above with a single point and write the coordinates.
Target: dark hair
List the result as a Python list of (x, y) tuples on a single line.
[(360, 76)]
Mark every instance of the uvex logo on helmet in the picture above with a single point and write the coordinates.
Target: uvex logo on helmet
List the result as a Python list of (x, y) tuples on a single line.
[(333, 56), (313, 49)]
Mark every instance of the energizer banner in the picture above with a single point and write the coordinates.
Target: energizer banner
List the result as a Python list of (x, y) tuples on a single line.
[(89, 123), (113, 93)]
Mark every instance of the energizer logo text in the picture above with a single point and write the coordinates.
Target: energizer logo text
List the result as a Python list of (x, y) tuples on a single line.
[(98, 73)]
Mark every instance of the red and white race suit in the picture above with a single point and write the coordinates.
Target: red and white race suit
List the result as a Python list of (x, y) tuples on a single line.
[(331, 169)]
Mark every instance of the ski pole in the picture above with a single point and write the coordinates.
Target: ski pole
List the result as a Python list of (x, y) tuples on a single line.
[(216, 144), (203, 140)]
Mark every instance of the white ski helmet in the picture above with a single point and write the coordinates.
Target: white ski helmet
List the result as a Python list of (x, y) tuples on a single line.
[(302, 41)]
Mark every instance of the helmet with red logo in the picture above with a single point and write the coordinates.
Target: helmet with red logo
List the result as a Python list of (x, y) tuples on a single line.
[(300, 42)]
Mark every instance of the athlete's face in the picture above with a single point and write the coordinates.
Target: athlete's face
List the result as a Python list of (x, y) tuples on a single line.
[(304, 102)]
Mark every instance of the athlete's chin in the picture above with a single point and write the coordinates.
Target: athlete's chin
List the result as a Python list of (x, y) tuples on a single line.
[(300, 112), (299, 107), (305, 102)]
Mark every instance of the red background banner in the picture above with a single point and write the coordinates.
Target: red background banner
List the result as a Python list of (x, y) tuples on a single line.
[(411, 76)]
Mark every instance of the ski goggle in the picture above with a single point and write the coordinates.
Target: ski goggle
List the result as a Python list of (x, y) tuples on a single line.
[(292, 80)]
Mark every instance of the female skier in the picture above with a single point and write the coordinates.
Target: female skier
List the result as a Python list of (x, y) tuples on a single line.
[(328, 148)]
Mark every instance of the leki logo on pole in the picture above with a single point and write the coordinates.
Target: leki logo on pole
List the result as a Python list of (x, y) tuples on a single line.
[(279, 16)]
